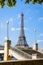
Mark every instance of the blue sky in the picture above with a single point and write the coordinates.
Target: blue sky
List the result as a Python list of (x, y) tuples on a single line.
[(33, 19)]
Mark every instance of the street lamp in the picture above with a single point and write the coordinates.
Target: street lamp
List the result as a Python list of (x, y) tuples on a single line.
[(7, 22)]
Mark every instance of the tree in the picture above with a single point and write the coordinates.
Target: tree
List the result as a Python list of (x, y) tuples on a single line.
[(11, 3), (35, 1)]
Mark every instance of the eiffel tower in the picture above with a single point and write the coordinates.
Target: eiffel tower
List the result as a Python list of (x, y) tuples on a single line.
[(22, 39)]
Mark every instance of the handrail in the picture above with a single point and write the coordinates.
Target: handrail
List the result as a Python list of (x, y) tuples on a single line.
[(24, 54)]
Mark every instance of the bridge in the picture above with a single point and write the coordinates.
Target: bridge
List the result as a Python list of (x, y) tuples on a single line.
[(23, 62), (17, 53)]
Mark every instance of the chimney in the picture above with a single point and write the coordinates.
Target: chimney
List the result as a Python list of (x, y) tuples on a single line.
[(35, 46)]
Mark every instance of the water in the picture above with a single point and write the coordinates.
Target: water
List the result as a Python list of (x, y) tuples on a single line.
[(14, 58), (2, 57)]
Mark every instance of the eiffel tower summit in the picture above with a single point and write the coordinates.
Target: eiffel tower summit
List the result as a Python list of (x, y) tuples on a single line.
[(22, 39)]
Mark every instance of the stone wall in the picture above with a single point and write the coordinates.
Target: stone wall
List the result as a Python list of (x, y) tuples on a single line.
[(23, 62)]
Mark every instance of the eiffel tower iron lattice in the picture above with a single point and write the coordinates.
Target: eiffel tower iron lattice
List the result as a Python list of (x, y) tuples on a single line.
[(22, 39)]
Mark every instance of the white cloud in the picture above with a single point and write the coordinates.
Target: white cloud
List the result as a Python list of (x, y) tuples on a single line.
[(41, 34), (17, 28), (5, 38), (12, 29), (39, 41), (24, 28), (18, 15), (40, 18), (11, 19)]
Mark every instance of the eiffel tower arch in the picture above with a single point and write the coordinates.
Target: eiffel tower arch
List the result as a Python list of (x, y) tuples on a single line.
[(22, 39)]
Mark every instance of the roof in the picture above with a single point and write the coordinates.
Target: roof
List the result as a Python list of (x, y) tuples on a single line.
[(30, 51)]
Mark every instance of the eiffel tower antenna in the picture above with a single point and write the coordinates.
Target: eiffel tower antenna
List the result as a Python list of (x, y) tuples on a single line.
[(22, 39)]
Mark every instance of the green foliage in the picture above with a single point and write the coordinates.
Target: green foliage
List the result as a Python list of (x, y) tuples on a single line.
[(40, 1), (2, 3), (11, 3), (34, 1), (27, 1)]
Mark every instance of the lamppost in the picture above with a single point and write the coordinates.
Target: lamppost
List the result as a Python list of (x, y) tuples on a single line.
[(7, 30), (7, 44)]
